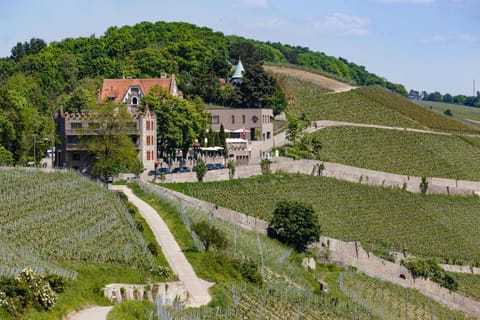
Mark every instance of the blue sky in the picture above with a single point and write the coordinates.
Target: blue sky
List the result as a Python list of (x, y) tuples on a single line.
[(423, 44)]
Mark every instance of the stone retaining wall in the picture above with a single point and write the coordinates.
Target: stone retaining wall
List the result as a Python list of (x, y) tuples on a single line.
[(353, 254), (341, 172)]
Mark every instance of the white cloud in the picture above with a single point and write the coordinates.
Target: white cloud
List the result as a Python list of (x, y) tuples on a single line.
[(342, 24), (435, 39), (468, 38), (404, 1), (251, 4)]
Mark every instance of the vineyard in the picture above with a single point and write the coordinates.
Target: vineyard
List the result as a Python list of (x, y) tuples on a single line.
[(58, 217), (311, 102), (459, 112), (411, 110), (380, 218), (392, 301), (402, 152), (290, 292), (371, 105)]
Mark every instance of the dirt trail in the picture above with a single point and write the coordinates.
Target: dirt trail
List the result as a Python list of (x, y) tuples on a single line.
[(323, 81)]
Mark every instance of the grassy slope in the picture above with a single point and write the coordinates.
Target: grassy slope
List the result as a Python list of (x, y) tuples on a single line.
[(372, 105), (408, 153), (382, 219), (276, 298), (65, 241), (460, 112)]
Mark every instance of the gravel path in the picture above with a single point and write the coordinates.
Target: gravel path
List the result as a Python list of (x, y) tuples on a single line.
[(196, 287)]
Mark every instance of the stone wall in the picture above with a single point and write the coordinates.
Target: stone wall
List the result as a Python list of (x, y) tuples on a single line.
[(341, 172), (242, 220), (353, 254), (169, 291)]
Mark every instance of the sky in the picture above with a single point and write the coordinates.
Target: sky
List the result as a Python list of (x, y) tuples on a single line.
[(431, 45)]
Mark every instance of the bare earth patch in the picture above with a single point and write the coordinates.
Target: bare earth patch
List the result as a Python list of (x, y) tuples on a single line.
[(322, 81)]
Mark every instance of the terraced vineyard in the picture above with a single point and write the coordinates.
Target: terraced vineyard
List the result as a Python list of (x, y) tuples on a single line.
[(371, 105), (49, 218), (392, 301), (469, 284), (411, 110), (288, 291), (402, 152), (382, 219), (459, 112), (309, 101)]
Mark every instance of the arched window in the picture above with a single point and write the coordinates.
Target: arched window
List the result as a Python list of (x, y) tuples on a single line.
[(134, 100), (233, 119)]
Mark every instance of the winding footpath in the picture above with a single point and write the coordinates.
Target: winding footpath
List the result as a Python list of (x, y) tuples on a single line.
[(197, 288), (94, 313)]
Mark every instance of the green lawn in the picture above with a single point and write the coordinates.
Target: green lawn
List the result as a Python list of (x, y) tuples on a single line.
[(430, 226), (402, 152)]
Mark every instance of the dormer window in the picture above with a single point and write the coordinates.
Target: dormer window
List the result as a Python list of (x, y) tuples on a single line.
[(134, 100)]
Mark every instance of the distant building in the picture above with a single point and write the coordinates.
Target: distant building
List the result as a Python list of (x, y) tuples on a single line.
[(131, 91), (252, 125), (72, 127)]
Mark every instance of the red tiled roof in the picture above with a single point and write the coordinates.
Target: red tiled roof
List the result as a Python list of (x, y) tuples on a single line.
[(117, 88)]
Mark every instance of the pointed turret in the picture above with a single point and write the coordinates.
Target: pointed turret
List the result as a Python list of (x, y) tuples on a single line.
[(239, 70)]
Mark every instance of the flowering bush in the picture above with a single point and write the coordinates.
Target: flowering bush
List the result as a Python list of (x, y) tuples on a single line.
[(27, 290)]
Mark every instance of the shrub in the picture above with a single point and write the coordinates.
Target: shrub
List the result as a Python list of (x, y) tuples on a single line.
[(29, 290), (249, 270), (200, 169), (429, 269), (210, 235), (294, 223), (265, 166), (153, 248), (231, 169)]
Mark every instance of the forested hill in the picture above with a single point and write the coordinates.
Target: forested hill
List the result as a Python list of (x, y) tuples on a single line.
[(38, 77)]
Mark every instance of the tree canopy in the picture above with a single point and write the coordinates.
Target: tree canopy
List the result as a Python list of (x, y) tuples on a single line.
[(294, 223), (38, 78)]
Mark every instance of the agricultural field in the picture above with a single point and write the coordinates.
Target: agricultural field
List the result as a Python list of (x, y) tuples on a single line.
[(371, 105), (411, 110), (382, 219), (392, 301), (64, 224), (402, 152), (288, 292), (309, 101), (463, 113), (468, 284)]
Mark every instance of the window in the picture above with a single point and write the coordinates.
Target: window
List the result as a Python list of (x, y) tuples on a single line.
[(268, 135), (148, 125), (244, 118), (233, 119), (215, 119), (148, 140), (148, 155), (76, 157), (76, 125), (72, 139), (134, 100)]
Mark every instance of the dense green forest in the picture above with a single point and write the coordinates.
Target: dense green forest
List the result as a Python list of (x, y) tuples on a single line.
[(38, 77)]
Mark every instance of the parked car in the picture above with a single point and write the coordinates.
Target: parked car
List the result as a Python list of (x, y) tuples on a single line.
[(153, 173), (165, 170), (181, 170), (211, 166), (219, 166)]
